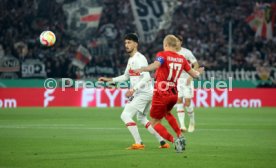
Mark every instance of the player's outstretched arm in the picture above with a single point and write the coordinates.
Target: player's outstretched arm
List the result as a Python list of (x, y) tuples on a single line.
[(121, 78), (196, 66), (105, 79), (153, 66), (195, 74)]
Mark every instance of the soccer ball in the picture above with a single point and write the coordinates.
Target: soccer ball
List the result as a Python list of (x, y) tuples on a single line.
[(47, 38)]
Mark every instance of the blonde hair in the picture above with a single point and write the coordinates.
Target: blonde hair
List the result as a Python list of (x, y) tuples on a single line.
[(171, 41)]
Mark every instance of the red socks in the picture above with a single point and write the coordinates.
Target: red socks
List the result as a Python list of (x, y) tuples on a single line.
[(163, 132), (173, 123)]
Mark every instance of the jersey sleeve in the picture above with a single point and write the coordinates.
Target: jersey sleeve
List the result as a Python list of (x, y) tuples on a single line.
[(160, 57), (145, 75), (191, 57), (143, 62), (186, 65), (123, 77)]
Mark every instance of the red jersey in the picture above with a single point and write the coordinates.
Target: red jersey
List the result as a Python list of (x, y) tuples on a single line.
[(171, 67)]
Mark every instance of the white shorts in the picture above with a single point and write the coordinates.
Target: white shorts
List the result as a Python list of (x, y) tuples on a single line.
[(184, 90), (140, 103)]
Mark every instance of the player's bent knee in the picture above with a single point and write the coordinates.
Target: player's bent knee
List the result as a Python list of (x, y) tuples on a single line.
[(187, 102), (180, 100), (125, 117), (190, 108), (154, 122), (142, 119)]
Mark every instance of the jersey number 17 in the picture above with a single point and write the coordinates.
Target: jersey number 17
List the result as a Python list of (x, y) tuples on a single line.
[(174, 67)]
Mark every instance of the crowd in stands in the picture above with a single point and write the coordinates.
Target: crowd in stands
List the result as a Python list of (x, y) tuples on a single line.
[(204, 25)]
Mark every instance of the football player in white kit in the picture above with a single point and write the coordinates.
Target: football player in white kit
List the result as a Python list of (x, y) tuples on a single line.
[(139, 94), (186, 89)]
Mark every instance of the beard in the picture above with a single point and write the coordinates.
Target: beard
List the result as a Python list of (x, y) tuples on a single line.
[(128, 50)]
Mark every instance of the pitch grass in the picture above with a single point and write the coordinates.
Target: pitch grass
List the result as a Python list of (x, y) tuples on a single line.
[(96, 137)]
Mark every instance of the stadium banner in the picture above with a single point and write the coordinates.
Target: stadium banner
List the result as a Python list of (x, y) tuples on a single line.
[(262, 19), (240, 74), (33, 68), (151, 16), (9, 64), (81, 17), (40, 97), (9, 67)]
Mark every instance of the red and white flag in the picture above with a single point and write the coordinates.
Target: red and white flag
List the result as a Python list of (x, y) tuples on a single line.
[(92, 18), (82, 57), (81, 17), (262, 20)]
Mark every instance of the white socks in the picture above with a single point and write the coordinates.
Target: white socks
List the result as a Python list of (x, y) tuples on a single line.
[(143, 120), (132, 127), (181, 115), (190, 110), (153, 132)]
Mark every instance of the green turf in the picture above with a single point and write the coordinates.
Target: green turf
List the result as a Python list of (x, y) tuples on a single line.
[(80, 138)]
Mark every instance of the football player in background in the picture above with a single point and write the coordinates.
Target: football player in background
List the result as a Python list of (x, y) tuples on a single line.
[(139, 94), (186, 89), (168, 65)]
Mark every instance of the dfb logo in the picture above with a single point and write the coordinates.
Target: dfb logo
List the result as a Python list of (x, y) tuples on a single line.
[(47, 96)]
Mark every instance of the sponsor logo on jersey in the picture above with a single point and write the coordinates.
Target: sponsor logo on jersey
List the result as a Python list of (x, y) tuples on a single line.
[(132, 73)]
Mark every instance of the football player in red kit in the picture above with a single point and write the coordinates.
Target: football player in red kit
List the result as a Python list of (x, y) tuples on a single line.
[(168, 65)]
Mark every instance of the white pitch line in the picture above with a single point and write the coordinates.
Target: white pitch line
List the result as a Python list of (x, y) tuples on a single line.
[(71, 127), (57, 127)]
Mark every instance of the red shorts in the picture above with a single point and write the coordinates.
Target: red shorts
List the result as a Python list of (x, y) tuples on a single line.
[(162, 103)]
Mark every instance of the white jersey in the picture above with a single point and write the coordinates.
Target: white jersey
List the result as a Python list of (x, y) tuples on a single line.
[(189, 57), (140, 82)]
